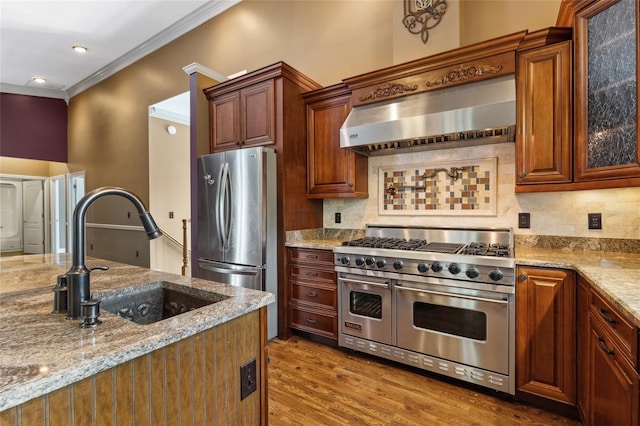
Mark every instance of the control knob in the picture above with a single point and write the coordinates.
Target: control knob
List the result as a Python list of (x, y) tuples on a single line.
[(398, 264), (454, 268), (359, 261), (423, 267), (496, 274), (472, 272), (345, 260), (370, 261), (436, 267), (381, 263)]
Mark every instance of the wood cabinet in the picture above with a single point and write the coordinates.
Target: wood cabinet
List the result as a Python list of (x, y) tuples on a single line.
[(544, 130), (606, 113), (612, 392), (265, 107), (582, 336), (332, 172), (243, 118), (606, 147), (546, 334), (313, 302)]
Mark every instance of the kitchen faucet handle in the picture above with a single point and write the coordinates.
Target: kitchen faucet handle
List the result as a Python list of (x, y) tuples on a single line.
[(101, 267)]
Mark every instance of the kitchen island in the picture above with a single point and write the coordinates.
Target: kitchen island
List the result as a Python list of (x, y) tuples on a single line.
[(183, 369)]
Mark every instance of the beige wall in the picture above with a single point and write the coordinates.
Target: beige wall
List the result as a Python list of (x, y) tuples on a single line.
[(22, 166), (486, 19), (328, 41)]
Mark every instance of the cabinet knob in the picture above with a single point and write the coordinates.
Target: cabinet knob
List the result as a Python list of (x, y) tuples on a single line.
[(522, 277), (522, 175)]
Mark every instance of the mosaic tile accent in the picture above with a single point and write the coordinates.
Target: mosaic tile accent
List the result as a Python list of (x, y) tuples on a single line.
[(456, 188)]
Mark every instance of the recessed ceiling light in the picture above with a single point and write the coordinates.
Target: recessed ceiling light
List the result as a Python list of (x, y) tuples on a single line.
[(40, 80), (80, 49)]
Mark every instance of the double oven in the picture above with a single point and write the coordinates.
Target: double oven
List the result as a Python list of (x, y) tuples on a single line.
[(439, 299)]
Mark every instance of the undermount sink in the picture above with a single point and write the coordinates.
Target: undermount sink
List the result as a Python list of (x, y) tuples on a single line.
[(153, 302)]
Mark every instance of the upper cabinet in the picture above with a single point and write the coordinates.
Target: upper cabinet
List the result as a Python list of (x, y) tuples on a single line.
[(332, 172), (606, 91), (604, 147), (243, 117), (543, 92)]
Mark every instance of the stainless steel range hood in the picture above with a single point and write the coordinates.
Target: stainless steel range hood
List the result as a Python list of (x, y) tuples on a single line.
[(468, 114)]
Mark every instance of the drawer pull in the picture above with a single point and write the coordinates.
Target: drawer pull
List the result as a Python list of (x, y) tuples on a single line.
[(311, 321), (606, 317), (312, 256), (312, 294), (604, 347), (312, 274)]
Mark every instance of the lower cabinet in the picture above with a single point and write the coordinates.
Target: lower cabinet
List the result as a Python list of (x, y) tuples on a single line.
[(313, 299), (546, 334), (611, 355)]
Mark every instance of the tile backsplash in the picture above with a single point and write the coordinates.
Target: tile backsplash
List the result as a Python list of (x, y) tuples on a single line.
[(553, 213)]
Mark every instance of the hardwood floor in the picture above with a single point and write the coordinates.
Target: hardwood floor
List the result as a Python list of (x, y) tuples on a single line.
[(313, 384)]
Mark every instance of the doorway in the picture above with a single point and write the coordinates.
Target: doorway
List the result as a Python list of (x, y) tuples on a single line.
[(169, 182)]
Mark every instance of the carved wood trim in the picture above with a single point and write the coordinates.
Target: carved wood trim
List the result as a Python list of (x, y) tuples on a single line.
[(388, 89), (464, 72)]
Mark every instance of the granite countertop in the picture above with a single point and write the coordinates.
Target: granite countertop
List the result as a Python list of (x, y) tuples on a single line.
[(41, 352), (616, 275)]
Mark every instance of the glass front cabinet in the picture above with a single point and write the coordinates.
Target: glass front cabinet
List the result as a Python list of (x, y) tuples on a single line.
[(606, 91)]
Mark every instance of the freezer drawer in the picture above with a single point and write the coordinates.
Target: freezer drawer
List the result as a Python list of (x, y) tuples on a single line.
[(235, 275)]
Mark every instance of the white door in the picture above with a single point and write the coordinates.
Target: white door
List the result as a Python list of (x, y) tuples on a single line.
[(75, 191), (58, 216), (33, 211)]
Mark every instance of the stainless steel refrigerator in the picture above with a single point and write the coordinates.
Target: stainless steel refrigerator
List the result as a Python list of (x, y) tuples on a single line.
[(237, 221)]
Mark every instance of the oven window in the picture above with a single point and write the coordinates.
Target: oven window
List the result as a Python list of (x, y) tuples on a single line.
[(365, 304), (455, 321)]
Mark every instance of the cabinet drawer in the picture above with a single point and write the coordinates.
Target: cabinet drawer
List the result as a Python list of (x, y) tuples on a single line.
[(314, 321), (317, 257), (311, 274), (622, 330), (324, 297)]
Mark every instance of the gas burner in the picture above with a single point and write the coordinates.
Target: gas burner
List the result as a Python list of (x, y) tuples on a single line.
[(386, 243), (484, 249)]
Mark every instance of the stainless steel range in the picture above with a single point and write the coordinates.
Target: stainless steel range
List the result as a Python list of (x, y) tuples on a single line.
[(440, 299)]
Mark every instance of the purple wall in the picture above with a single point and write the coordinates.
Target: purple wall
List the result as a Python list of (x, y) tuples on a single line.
[(33, 127)]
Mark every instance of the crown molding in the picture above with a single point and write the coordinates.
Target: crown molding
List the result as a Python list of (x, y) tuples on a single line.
[(172, 116), (33, 91), (186, 24), (201, 69)]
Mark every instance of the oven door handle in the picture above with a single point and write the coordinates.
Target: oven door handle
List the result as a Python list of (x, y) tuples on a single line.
[(462, 296), (371, 283)]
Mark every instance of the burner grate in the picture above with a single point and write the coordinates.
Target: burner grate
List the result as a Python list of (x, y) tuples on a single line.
[(450, 248)]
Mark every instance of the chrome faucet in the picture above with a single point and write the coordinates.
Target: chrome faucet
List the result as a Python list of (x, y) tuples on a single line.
[(77, 277)]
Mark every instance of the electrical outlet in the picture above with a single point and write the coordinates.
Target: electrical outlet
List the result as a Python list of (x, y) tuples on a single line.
[(248, 379), (170, 215), (524, 220), (338, 217), (595, 220)]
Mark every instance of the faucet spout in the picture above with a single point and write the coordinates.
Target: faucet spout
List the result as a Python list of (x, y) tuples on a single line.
[(78, 284)]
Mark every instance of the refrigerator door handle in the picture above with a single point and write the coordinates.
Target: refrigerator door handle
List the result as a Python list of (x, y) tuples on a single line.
[(222, 216), (228, 208), (248, 271)]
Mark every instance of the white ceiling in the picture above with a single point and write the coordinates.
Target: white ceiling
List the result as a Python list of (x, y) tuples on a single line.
[(36, 39)]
